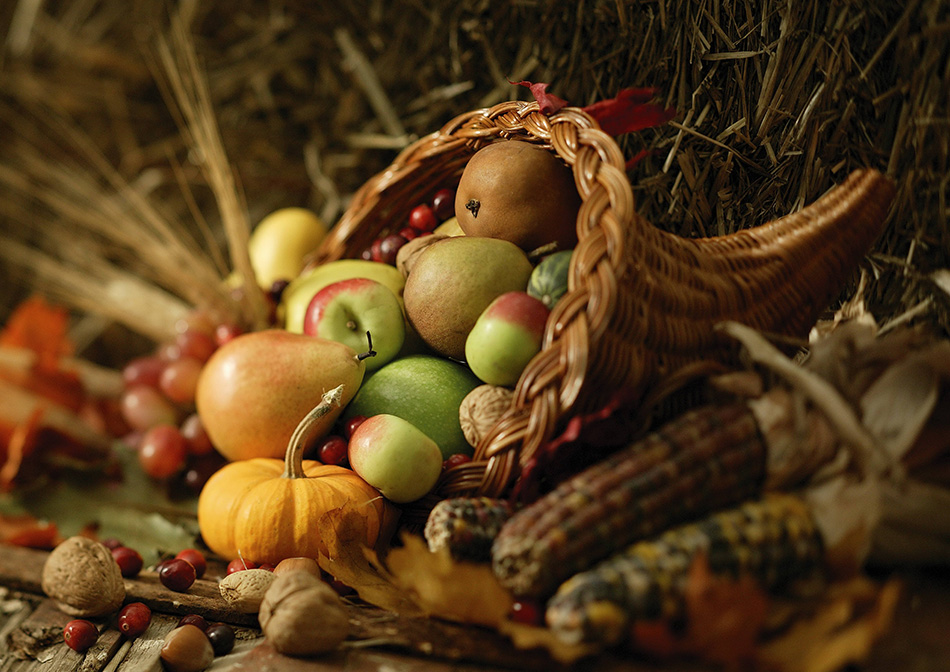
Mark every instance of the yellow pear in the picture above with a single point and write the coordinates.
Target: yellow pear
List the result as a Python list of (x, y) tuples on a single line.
[(254, 390), (281, 241)]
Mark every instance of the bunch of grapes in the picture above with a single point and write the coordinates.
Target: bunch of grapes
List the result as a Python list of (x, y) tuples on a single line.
[(423, 220), (158, 403)]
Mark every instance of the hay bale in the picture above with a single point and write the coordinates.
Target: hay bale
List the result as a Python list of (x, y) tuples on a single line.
[(776, 100)]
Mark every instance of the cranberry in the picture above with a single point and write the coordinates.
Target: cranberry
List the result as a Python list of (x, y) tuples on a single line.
[(196, 620), (376, 251), (332, 450), (129, 560), (221, 636), (443, 204), (455, 460), (111, 543), (197, 560), (422, 218), (389, 248), (177, 574), (79, 634), (134, 619), (526, 612), (267, 567), (238, 565), (350, 425)]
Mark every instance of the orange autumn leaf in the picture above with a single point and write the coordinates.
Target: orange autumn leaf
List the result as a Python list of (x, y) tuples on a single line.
[(25, 530), (41, 327)]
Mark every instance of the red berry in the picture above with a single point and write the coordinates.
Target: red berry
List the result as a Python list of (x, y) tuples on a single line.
[(238, 565), (197, 560), (162, 451), (389, 248), (197, 344), (375, 251), (225, 333), (221, 636), (129, 560), (143, 371), (195, 435), (266, 567), (196, 620), (527, 612), (367, 254), (408, 233), (350, 425), (177, 574), (455, 460), (180, 379), (111, 543), (443, 204), (134, 619), (332, 450), (79, 634), (422, 218)]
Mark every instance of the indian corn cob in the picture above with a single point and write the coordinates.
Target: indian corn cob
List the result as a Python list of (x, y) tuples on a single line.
[(466, 526), (774, 540), (706, 459)]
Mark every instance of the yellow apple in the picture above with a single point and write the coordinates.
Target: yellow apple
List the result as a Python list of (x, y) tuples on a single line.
[(281, 241)]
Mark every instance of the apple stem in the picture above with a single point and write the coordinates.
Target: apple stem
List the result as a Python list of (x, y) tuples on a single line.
[(293, 458), (370, 352)]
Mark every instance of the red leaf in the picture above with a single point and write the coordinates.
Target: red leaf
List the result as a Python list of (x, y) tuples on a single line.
[(629, 111), (548, 102), (25, 530)]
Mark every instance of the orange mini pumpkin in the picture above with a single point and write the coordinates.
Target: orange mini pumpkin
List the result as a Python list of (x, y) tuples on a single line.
[(264, 510)]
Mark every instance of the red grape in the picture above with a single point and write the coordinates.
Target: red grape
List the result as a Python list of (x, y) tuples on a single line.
[(79, 634), (408, 233), (351, 424), (195, 435), (239, 565), (376, 251), (389, 248), (332, 450), (196, 321), (177, 574), (199, 469), (134, 619), (221, 636), (196, 620), (197, 560), (180, 379), (197, 344), (129, 561), (144, 407), (143, 371), (443, 204), (225, 333), (163, 451), (422, 218)]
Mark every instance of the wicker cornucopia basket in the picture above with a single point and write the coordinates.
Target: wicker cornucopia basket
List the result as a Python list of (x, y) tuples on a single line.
[(642, 304)]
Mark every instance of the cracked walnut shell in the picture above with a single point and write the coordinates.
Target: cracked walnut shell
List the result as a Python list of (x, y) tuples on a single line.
[(480, 410), (303, 616), (81, 575)]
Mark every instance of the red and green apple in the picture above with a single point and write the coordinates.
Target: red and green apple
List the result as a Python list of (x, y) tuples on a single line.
[(505, 337)]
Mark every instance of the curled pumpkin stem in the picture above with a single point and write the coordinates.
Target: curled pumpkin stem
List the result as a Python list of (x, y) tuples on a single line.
[(293, 458)]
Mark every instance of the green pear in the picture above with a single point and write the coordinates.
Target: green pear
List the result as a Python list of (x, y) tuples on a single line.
[(453, 280), (256, 388)]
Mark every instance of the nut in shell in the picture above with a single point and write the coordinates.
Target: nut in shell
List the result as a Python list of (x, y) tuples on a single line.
[(303, 616), (480, 410), (81, 575), (244, 590)]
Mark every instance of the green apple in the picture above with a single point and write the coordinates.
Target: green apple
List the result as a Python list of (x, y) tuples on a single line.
[(425, 390), (297, 295), (506, 336), (395, 457), (346, 310), (281, 241)]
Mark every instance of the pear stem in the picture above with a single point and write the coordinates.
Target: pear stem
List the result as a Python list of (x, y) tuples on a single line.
[(293, 458)]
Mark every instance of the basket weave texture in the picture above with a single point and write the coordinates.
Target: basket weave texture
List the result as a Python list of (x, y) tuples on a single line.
[(642, 304)]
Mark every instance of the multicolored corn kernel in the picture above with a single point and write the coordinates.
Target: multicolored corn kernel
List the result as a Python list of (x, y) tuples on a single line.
[(466, 526)]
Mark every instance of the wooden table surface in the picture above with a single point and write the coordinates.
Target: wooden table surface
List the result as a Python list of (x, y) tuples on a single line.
[(31, 640)]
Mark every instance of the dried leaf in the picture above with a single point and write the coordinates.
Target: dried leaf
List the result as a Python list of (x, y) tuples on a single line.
[(346, 557), (725, 618), (43, 328), (464, 592), (846, 510), (629, 111), (897, 406), (849, 620), (548, 103), (26, 530), (528, 637)]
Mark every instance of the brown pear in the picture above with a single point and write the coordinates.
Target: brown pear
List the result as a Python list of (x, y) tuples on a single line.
[(453, 280), (520, 192)]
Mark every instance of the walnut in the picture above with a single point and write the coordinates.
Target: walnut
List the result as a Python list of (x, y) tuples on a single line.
[(480, 410), (244, 590), (408, 253), (82, 577), (302, 615)]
